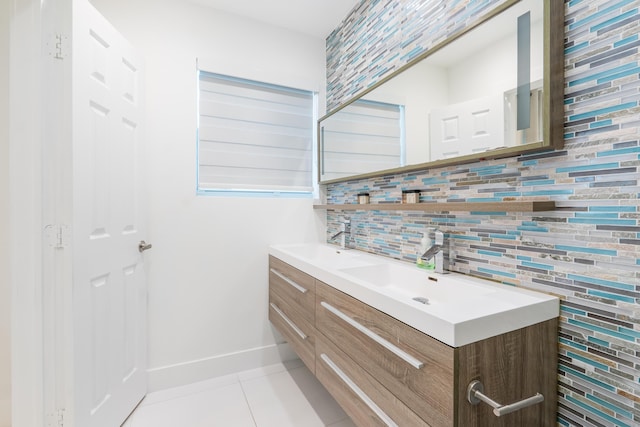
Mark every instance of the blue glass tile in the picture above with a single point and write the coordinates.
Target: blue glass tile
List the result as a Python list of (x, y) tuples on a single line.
[(599, 124), (588, 361), (573, 344), (605, 331), (490, 253), (618, 18), (600, 75), (538, 229), (619, 152), (530, 163), (508, 194), (523, 258), (598, 341), (463, 237), (540, 182), (614, 408), (434, 180), (587, 378), (537, 265), (612, 208), (492, 168), (601, 414), (502, 236), (600, 215), (602, 221), (618, 75), (611, 296), (576, 47), (596, 251), (588, 167), (599, 14), (626, 41), (606, 110), (573, 310), (629, 331), (489, 213)]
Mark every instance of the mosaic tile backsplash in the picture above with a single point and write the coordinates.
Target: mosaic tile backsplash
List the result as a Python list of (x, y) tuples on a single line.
[(588, 251)]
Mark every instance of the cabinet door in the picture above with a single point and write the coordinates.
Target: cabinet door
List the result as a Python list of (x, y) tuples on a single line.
[(360, 395), (299, 333), (296, 287), (414, 367)]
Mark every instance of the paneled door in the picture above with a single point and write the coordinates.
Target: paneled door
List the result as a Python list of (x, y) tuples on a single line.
[(109, 286), (467, 128)]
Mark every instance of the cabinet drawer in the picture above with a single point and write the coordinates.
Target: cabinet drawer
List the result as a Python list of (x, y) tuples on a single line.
[(294, 286), (414, 367), (298, 332), (360, 395)]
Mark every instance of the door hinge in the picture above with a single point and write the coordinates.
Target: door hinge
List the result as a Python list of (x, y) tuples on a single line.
[(57, 235), (56, 419), (57, 47)]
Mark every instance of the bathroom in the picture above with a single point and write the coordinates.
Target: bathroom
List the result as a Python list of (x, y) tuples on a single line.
[(226, 239)]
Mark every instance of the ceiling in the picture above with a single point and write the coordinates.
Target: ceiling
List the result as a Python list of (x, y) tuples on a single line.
[(313, 17)]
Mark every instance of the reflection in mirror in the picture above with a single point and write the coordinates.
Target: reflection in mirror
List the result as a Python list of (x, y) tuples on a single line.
[(480, 93)]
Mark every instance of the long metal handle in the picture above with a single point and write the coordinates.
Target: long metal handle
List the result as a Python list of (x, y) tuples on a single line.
[(475, 395), (289, 322), (289, 281), (377, 338), (358, 391)]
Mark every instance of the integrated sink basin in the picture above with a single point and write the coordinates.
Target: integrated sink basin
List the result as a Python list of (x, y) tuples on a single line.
[(454, 308), (406, 282)]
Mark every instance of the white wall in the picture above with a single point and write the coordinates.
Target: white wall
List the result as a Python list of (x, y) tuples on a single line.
[(5, 289), (208, 266)]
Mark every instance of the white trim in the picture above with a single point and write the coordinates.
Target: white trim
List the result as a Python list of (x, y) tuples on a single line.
[(26, 213), (164, 377)]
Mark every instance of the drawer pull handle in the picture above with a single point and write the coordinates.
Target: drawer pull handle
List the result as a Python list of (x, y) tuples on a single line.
[(289, 322), (377, 338), (289, 281), (358, 391), (475, 395)]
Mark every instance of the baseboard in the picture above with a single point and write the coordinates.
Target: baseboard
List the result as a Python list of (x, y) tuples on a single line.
[(193, 371)]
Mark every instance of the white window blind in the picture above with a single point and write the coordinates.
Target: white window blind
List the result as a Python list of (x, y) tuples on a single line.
[(254, 136), (366, 136)]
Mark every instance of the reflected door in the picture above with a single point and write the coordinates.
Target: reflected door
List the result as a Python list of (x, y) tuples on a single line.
[(467, 128)]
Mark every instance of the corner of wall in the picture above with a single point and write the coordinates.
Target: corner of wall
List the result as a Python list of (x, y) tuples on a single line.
[(5, 289)]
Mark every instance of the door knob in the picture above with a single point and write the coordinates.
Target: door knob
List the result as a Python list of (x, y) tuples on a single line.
[(143, 246)]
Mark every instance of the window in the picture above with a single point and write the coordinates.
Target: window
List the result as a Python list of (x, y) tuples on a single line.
[(254, 137)]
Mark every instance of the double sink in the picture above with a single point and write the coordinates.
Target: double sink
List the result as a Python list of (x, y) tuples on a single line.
[(453, 308)]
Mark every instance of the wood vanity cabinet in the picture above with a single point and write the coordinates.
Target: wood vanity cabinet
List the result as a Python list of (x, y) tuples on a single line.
[(292, 299), (384, 372)]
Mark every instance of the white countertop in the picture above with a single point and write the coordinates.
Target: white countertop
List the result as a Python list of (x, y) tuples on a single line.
[(460, 310)]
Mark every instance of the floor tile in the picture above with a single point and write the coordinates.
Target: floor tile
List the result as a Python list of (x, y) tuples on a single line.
[(291, 398), (221, 406)]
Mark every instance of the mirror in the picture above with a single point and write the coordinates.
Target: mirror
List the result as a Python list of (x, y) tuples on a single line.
[(488, 92)]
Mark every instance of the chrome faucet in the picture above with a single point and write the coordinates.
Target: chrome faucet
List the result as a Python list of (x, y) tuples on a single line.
[(437, 251), (344, 234)]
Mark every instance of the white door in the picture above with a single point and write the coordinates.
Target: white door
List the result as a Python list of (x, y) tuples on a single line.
[(466, 128), (109, 285)]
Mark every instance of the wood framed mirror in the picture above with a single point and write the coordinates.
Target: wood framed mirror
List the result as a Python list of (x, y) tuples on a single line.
[(493, 90)]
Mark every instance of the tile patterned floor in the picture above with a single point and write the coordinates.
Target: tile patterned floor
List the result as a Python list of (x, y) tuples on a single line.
[(283, 395)]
